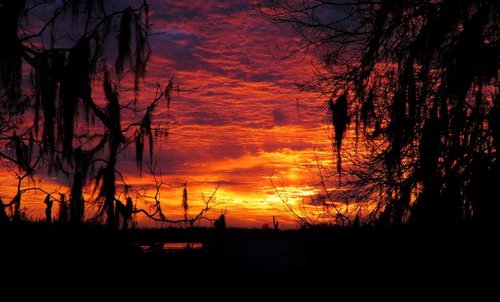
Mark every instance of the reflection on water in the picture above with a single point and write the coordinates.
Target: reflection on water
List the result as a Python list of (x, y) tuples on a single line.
[(171, 246), (182, 245)]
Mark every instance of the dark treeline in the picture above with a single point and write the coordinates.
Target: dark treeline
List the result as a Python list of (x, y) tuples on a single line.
[(403, 257)]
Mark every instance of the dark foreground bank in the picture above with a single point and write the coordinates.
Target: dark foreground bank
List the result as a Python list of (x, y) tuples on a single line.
[(37, 251)]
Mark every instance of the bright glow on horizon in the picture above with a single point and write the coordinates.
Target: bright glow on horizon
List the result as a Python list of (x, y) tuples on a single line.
[(239, 121)]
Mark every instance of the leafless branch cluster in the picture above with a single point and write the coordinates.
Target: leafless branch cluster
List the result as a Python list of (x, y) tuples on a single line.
[(413, 87), (77, 129)]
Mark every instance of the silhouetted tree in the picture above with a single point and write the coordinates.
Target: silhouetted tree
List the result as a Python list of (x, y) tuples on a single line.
[(421, 79), (220, 223), (77, 129)]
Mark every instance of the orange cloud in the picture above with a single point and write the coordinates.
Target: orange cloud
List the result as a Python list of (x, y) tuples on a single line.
[(240, 121)]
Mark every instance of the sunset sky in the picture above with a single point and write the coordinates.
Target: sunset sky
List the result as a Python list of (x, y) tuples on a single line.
[(239, 119)]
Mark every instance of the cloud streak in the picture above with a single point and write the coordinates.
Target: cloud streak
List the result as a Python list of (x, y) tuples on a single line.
[(240, 118), (245, 121)]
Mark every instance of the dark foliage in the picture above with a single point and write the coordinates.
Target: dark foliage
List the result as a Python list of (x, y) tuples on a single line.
[(423, 76), (65, 67), (11, 50), (124, 37), (340, 121)]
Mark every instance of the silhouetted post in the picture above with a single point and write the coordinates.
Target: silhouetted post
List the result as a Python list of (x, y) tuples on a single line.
[(16, 202), (276, 224), (185, 205), (119, 210), (4, 219), (48, 210), (76, 202), (127, 215), (63, 210)]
